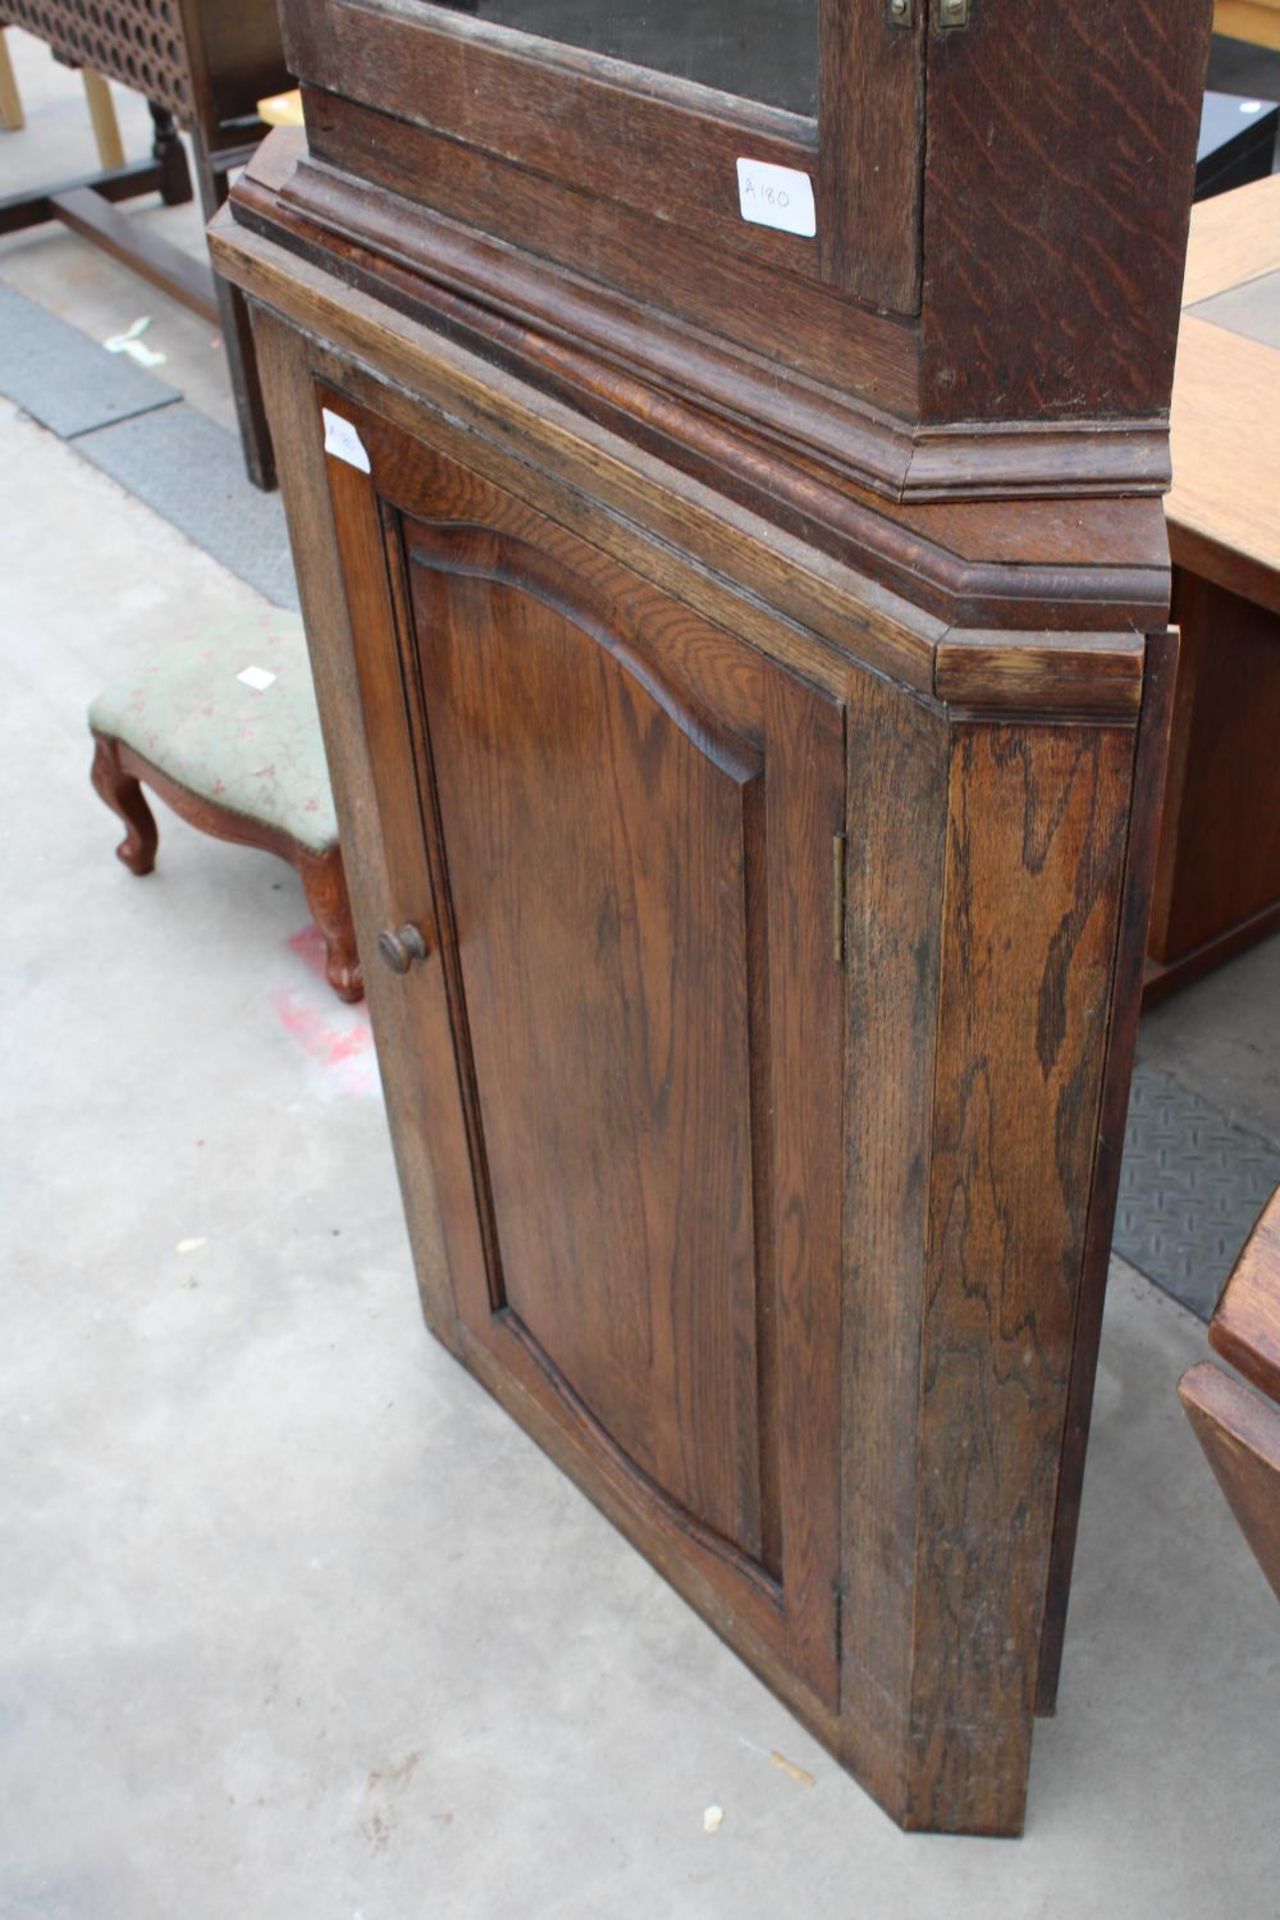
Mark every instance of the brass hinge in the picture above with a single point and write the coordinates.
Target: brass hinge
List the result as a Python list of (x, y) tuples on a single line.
[(837, 898)]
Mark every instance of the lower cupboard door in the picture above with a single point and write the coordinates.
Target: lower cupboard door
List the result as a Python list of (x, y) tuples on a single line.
[(630, 820)]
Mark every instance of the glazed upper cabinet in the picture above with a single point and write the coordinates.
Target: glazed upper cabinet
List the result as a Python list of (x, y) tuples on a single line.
[(541, 90), (621, 850), (741, 647), (961, 151)]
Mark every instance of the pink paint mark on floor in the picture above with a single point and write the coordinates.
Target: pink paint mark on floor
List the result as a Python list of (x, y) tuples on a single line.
[(344, 1049)]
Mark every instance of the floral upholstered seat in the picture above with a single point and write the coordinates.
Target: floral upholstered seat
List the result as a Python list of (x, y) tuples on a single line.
[(224, 727), (252, 749)]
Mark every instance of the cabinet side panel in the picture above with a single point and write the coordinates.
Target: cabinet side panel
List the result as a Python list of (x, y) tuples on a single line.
[(898, 754), (1160, 674), (1037, 832), (284, 360)]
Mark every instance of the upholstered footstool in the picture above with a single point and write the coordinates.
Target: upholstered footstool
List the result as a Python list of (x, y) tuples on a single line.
[(224, 728)]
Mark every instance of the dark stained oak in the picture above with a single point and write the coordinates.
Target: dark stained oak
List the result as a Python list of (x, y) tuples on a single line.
[(659, 1317), (1031, 902), (1150, 754), (583, 963), (471, 599), (632, 187), (744, 663), (898, 777), (1074, 129)]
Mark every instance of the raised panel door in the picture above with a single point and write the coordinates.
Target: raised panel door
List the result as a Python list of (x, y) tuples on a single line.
[(624, 862)]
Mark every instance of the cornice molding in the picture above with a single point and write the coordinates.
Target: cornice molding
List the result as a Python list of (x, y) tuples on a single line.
[(592, 338), (1056, 577)]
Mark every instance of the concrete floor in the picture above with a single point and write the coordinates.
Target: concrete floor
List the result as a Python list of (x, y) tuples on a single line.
[(294, 1622)]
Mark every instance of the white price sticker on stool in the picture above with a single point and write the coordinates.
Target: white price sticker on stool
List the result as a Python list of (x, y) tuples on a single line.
[(779, 197), (343, 442), (259, 678)]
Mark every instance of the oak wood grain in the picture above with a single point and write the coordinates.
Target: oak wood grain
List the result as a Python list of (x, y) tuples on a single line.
[(698, 1398), (612, 1067), (738, 687), (899, 755), (805, 797), (1036, 843), (1128, 584), (1150, 764), (810, 333), (1074, 130), (1024, 821), (1091, 673), (860, 429)]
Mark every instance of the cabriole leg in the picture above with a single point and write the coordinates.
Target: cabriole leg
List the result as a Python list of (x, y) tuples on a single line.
[(124, 795), (325, 887)]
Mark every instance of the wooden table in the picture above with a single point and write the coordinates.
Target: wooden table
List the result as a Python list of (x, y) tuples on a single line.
[(1218, 876), (1255, 20)]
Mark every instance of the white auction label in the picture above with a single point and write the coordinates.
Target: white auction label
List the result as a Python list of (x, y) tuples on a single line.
[(343, 442), (779, 197), (259, 678)]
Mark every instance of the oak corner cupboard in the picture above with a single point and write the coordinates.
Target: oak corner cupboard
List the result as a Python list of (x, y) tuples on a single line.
[(723, 448)]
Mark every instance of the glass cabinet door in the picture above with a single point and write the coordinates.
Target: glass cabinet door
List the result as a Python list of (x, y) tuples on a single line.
[(783, 135), (758, 49)]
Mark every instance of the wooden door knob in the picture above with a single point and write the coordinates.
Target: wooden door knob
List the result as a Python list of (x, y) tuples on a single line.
[(399, 947)]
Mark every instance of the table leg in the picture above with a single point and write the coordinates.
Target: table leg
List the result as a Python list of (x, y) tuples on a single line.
[(102, 112), (237, 334), (12, 118)]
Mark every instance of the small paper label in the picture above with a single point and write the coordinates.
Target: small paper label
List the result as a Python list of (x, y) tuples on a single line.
[(779, 197), (343, 442), (256, 677)]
